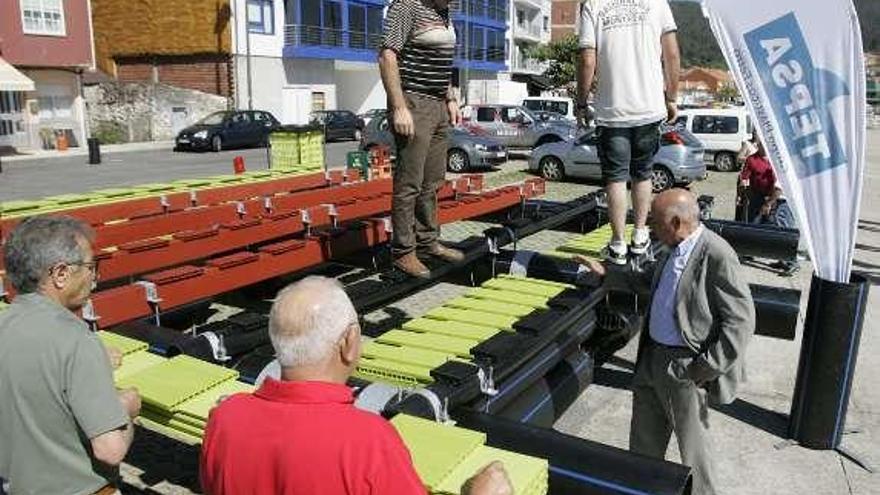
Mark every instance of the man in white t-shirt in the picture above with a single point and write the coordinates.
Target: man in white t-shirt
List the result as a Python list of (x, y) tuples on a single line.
[(625, 42)]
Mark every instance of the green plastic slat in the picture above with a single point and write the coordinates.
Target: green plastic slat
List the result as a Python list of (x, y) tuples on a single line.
[(200, 405), (523, 287), (495, 307), (443, 343), (548, 283), (393, 372), (158, 427), (125, 345), (70, 199), (185, 427), (474, 317), (20, 207), (455, 329), (527, 474), (159, 187), (407, 355), (135, 363), (436, 449), (115, 193), (171, 382), (192, 183), (537, 302)]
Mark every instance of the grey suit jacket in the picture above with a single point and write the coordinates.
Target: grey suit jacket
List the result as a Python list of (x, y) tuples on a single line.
[(714, 311)]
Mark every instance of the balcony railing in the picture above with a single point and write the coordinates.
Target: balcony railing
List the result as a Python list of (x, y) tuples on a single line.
[(302, 35), (530, 30), (526, 64)]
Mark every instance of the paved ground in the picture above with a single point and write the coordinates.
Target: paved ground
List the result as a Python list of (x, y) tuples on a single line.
[(749, 438), (37, 178)]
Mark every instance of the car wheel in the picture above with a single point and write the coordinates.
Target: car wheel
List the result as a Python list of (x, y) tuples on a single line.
[(552, 138), (725, 162), (551, 168), (457, 161), (217, 143), (661, 179)]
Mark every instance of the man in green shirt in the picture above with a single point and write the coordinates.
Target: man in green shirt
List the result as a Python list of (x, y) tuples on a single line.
[(64, 428)]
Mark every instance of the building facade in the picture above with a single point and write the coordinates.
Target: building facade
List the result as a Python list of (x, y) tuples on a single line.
[(45, 46), (564, 19), (158, 41)]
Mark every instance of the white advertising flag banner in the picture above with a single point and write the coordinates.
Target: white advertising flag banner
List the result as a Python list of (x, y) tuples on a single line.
[(800, 66)]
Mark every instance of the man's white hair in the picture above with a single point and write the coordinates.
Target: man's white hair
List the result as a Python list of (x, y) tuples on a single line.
[(307, 320)]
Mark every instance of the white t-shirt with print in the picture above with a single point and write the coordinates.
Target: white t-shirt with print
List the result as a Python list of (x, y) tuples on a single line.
[(626, 35)]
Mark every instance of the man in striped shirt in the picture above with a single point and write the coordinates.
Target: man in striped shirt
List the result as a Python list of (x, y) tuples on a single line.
[(415, 61)]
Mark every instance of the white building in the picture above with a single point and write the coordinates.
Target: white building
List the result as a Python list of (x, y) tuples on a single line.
[(296, 56)]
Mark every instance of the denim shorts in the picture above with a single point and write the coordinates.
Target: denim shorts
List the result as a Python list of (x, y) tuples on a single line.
[(627, 153)]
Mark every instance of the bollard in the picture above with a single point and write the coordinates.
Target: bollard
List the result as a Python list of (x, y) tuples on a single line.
[(94, 151), (238, 165)]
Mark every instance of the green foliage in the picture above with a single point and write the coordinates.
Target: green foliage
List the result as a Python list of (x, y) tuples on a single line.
[(110, 132), (562, 58), (698, 45)]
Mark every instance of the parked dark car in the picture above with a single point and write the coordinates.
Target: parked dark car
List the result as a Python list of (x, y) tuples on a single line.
[(339, 124), (465, 150), (371, 114), (232, 129)]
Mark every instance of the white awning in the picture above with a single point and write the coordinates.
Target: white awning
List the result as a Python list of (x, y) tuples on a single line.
[(13, 80)]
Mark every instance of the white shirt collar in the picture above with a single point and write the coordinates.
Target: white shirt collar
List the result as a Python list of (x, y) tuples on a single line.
[(686, 246)]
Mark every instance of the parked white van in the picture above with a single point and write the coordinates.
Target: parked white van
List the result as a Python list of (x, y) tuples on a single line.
[(556, 104), (722, 132)]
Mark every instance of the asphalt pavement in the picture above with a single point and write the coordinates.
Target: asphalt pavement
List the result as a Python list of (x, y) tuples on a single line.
[(38, 178)]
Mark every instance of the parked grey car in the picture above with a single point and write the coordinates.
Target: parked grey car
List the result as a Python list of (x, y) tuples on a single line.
[(679, 160), (465, 150), (518, 127)]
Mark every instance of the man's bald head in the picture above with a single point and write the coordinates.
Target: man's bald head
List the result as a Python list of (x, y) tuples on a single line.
[(308, 320), (675, 215)]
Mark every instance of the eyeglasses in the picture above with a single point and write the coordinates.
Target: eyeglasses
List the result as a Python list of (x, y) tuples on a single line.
[(91, 265)]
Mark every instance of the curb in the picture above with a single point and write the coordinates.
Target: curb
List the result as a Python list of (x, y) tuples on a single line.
[(83, 151)]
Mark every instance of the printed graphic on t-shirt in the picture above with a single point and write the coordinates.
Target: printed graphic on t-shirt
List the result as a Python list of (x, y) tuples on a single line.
[(622, 13)]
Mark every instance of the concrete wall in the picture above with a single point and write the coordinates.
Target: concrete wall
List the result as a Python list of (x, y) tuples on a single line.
[(359, 87), (146, 112)]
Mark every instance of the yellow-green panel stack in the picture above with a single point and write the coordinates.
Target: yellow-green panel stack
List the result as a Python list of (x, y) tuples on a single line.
[(406, 356), (590, 244), (446, 456)]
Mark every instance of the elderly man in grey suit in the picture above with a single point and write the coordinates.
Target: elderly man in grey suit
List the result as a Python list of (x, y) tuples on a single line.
[(700, 320)]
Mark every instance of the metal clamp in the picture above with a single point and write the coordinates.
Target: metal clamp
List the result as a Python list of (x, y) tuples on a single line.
[(306, 218), (152, 293), (389, 227), (492, 244), (218, 348), (487, 381), (193, 198), (267, 203), (440, 408), (163, 201), (333, 212), (89, 315), (240, 208)]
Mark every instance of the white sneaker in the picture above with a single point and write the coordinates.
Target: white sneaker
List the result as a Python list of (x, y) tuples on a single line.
[(613, 255)]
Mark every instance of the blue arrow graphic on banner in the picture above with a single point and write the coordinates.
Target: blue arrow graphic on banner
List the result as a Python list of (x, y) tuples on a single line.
[(800, 95)]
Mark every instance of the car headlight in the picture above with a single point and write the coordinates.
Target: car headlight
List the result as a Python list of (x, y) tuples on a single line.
[(481, 147), (201, 135)]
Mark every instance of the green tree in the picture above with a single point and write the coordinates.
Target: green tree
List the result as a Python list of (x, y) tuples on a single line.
[(561, 56)]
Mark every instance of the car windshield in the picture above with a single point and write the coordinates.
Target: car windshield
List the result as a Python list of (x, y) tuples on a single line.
[(560, 107), (213, 119)]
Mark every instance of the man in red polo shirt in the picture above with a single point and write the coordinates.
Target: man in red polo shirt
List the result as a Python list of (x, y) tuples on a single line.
[(302, 434), (758, 181)]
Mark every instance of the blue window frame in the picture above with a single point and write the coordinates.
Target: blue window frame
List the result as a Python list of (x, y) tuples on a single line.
[(261, 16)]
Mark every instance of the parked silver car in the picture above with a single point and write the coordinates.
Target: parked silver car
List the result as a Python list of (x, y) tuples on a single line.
[(679, 160), (518, 127), (465, 150)]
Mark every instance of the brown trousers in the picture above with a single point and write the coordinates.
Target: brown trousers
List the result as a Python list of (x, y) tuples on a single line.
[(418, 174)]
